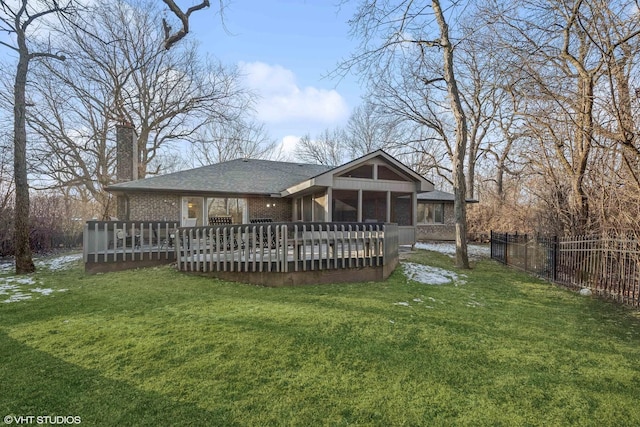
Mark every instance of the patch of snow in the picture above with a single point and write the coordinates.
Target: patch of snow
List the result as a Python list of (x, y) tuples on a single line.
[(417, 300), (21, 288), (20, 280), (586, 292), (58, 263), (474, 304), (52, 263), (431, 275), (43, 291), (403, 303), (6, 266), (18, 296), (6, 288), (447, 248)]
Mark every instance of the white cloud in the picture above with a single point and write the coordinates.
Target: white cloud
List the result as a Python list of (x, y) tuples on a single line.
[(286, 148), (282, 100), (289, 143)]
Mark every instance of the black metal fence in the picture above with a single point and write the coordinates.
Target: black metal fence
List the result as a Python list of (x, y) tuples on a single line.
[(608, 265)]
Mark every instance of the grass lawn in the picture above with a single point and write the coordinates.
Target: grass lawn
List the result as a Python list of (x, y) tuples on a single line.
[(157, 347)]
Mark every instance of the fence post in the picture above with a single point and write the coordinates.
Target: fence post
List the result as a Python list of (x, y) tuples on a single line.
[(506, 248), (526, 244), (554, 257), (491, 247)]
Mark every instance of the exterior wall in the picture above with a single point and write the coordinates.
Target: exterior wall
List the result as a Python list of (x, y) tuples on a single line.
[(279, 210), (121, 208), (446, 231), (154, 207), (166, 207), (449, 218), (425, 232)]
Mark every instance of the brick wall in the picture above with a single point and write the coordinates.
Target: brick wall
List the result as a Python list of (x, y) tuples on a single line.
[(446, 231), (154, 207), (279, 210), (425, 232), (449, 218)]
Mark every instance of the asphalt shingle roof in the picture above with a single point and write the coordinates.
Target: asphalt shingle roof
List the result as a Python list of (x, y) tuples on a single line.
[(242, 176), (436, 196)]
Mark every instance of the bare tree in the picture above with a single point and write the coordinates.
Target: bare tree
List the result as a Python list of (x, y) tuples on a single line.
[(509, 131), (560, 80), (327, 148), (480, 76), (220, 142), (123, 74), (616, 39), (565, 51), (18, 19), (368, 129), (398, 53)]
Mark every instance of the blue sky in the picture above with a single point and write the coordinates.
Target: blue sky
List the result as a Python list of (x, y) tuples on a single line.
[(285, 49)]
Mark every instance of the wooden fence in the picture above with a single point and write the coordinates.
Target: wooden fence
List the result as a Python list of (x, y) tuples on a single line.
[(286, 247), (608, 265), (368, 251), (118, 245)]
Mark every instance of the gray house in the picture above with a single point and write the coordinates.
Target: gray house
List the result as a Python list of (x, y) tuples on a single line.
[(373, 188)]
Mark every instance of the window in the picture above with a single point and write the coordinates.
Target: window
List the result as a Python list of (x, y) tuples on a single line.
[(344, 206), (307, 208), (298, 209), (319, 202), (430, 213), (401, 208), (389, 174), (192, 211), (311, 207), (374, 206), (364, 171), (227, 206)]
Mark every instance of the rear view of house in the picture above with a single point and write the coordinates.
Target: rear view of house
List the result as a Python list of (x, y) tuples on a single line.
[(373, 188)]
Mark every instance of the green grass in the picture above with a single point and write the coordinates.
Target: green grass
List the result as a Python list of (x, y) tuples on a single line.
[(157, 347)]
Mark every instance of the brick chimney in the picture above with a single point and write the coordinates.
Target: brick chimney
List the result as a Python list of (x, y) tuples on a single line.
[(126, 153), (126, 164)]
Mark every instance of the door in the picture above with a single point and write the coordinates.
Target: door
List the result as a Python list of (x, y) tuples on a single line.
[(192, 210)]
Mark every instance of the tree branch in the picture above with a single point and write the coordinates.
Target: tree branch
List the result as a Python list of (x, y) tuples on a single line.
[(47, 55), (9, 46), (171, 39)]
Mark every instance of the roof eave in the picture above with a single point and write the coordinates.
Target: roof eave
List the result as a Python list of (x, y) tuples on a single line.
[(185, 192)]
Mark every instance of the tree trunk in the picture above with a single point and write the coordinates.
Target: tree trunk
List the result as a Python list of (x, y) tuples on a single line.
[(470, 184), (24, 261), (459, 204)]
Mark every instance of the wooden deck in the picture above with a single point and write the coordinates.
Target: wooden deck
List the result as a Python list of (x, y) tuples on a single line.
[(248, 252)]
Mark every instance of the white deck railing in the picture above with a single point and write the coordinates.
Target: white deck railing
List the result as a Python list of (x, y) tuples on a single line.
[(117, 241), (285, 247)]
